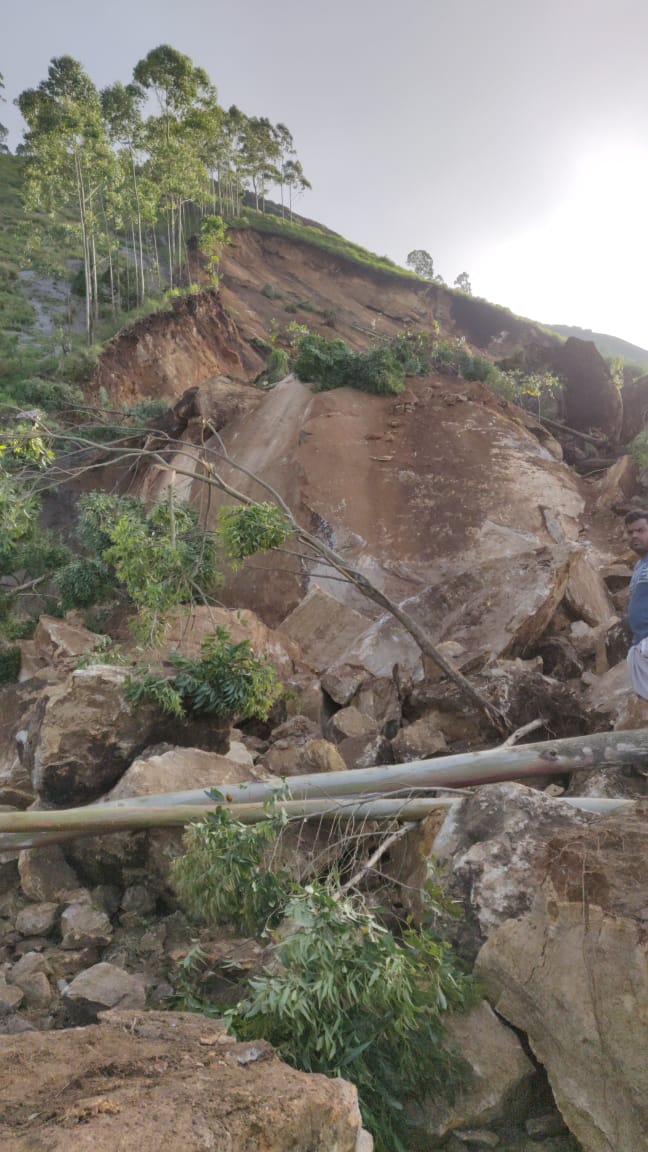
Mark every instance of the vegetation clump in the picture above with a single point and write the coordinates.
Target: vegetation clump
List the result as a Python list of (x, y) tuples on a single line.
[(332, 364), (226, 681), (344, 995)]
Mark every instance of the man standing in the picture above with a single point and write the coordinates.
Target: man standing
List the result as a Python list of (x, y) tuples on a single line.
[(637, 528)]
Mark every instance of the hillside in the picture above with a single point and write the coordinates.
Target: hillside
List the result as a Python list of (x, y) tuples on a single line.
[(609, 346)]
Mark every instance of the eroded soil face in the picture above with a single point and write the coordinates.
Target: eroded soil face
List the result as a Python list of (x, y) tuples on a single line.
[(159, 1080)]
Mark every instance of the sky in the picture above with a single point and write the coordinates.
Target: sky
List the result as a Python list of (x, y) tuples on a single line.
[(508, 138)]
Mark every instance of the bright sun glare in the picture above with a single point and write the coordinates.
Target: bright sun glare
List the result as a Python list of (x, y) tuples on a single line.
[(584, 263)]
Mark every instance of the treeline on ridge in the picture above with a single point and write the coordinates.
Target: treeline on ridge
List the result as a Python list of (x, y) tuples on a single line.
[(103, 168)]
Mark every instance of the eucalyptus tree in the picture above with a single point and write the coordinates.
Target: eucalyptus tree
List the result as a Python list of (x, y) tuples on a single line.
[(294, 179), (121, 106), (261, 154), (174, 162), (462, 283), (69, 161), (421, 263)]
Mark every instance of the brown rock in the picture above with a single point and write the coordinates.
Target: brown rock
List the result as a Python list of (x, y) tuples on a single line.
[(634, 395), (100, 987), (30, 974), (44, 874), (37, 919), (586, 594), (574, 978), (490, 845), (320, 756), (591, 398), (56, 639), (419, 740), (166, 1080), (123, 857), (365, 751), (617, 486), (87, 735), (11, 997), (500, 1075), (379, 699), (323, 628), (83, 926), (349, 722)]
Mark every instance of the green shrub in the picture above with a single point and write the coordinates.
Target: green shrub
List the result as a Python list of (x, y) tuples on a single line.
[(344, 996), (82, 582), (252, 528), (271, 292), (351, 1000), (226, 681), (278, 365), (52, 395), (224, 877), (9, 663), (332, 364), (639, 449)]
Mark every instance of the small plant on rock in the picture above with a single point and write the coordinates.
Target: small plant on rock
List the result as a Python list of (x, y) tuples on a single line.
[(226, 681)]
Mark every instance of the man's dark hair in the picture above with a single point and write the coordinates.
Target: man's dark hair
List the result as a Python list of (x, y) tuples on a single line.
[(636, 514)]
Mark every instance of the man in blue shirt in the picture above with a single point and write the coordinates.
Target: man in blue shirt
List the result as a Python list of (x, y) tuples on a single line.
[(637, 528)]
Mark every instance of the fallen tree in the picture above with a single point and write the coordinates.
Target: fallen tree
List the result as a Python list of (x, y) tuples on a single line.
[(388, 791), (80, 454)]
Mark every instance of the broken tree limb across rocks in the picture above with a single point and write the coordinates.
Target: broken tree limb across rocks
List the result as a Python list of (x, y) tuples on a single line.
[(387, 789)]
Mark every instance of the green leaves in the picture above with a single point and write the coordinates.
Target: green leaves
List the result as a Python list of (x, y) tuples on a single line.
[(350, 999), (223, 878), (331, 364), (226, 681), (251, 528), (344, 995)]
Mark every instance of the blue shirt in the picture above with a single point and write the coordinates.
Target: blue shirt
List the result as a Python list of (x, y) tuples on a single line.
[(638, 606)]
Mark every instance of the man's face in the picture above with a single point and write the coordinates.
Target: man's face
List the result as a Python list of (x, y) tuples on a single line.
[(638, 536)]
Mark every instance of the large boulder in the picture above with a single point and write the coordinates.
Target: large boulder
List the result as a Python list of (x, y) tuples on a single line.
[(498, 1080), (470, 507), (165, 1080), (572, 973), (610, 700), (86, 735), (122, 857), (591, 397), (490, 845)]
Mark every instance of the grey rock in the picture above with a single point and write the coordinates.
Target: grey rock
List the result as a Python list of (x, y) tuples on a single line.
[(44, 874), (30, 974), (138, 900), (37, 919), (83, 926), (100, 987), (11, 997)]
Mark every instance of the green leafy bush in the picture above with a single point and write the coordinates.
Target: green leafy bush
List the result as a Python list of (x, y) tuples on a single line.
[(224, 877), (227, 680), (51, 395), (243, 531), (278, 365), (332, 364), (345, 996), (9, 663), (84, 581), (159, 555), (351, 1000)]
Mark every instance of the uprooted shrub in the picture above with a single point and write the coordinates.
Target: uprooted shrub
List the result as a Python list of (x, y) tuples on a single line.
[(344, 995), (332, 364)]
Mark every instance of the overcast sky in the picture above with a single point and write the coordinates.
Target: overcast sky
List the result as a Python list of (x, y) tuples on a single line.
[(509, 138)]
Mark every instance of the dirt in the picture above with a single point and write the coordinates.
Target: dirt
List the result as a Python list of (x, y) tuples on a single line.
[(163, 1080)]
